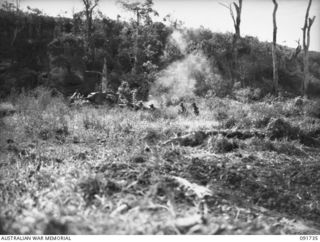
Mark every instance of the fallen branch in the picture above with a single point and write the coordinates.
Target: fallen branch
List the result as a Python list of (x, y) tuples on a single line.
[(239, 134), (192, 139), (190, 189), (197, 138)]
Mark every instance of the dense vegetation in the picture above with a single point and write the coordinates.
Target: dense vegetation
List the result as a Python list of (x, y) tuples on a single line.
[(244, 161), (34, 45)]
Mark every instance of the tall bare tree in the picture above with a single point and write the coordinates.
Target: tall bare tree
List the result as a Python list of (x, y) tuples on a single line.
[(306, 43), (142, 11), (235, 13), (274, 49), (134, 7), (104, 76), (89, 6), (17, 5), (236, 19)]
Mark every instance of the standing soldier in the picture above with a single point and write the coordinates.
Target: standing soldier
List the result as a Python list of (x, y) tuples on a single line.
[(134, 96), (195, 109), (182, 110), (124, 93)]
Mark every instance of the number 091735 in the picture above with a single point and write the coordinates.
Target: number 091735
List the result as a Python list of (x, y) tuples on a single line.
[(308, 237)]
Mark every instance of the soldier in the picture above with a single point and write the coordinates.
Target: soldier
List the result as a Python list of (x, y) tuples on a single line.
[(96, 97), (152, 107), (75, 96), (139, 106), (124, 93), (195, 109), (134, 96), (182, 110)]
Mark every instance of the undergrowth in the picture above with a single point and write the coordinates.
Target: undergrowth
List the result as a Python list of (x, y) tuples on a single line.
[(102, 170)]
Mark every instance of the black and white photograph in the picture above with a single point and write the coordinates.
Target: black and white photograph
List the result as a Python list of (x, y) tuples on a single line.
[(159, 117)]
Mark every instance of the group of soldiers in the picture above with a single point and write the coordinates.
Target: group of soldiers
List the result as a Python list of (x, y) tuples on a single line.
[(125, 97), (128, 98), (184, 111)]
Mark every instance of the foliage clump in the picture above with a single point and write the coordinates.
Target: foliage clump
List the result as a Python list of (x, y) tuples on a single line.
[(222, 144)]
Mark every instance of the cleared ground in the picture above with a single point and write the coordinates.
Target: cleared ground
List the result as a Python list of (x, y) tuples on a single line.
[(104, 170)]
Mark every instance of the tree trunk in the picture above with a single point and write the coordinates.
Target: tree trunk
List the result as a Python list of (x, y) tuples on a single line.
[(274, 50), (89, 8), (104, 76), (89, 35), (136, 44), (236, 37), (238, 8), (17, 5), (306, 43), (305, 83)]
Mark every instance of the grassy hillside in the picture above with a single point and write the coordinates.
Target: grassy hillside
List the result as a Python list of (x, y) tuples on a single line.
[(33, 46)]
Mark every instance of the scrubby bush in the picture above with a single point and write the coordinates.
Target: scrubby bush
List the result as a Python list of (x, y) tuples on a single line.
[(312, 109), (221, 144), (151, 135), (219, 106), (230, 122), (279, 129), (289, 148), (91, 120), (90, 187)]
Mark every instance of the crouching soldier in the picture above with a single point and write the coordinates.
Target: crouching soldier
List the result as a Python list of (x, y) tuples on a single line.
[(152, 107), (139, 106), (76, 96)]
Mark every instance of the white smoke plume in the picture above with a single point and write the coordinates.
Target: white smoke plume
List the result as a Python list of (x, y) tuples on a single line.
[(177, 38), (178, 80)]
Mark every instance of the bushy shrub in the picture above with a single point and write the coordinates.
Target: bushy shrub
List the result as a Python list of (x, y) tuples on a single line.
[(312, 109), (281, 147), (90, 187), (279, 128), (248, 94), (219, 106), (151, 135), (221, 144), (230, 122)]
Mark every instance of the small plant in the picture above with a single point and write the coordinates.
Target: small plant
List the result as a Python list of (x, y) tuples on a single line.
[(312, 109), (93, 121), (221, 144), (90, 187), (261, 122), (151, 136)]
